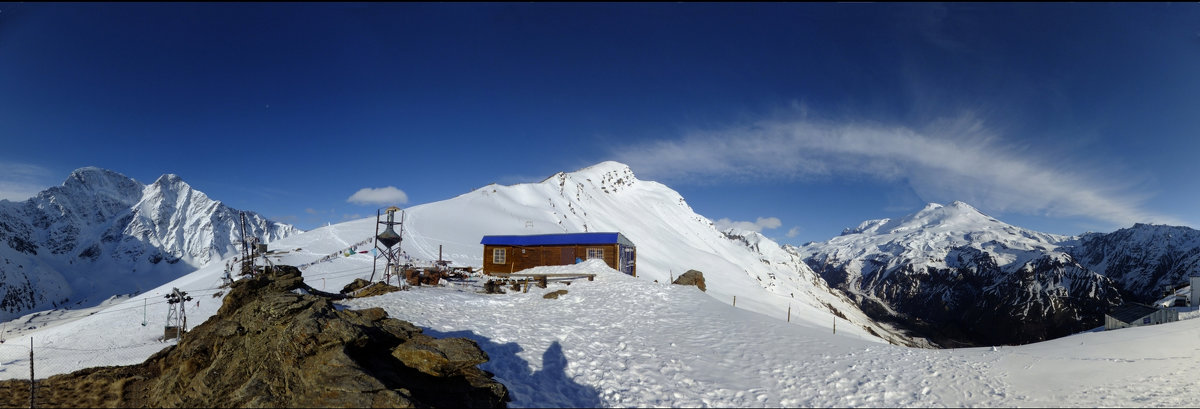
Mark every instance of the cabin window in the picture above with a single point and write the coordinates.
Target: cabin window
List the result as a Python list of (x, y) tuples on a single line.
[(595, 253), (498, 256)]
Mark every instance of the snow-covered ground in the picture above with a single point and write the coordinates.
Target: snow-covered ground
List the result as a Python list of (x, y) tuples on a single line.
[(625, 341), (621, 341)]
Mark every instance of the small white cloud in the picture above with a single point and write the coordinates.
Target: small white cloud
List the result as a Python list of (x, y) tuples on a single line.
[(382, 196), (755, 226), (795, 231), (312, 211), (769, 222)]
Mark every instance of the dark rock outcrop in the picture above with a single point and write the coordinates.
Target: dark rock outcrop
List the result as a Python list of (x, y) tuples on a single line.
[(691, 277), (275, 344), (355, 286)]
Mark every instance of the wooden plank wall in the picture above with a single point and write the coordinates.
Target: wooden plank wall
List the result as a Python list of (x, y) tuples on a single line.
[(520, 258)]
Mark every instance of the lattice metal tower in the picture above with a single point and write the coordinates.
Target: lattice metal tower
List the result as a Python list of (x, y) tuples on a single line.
[(387, 244), (177, 313)]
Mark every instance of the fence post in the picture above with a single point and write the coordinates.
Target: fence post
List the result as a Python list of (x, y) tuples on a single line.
[(735, 301), (789, 314)]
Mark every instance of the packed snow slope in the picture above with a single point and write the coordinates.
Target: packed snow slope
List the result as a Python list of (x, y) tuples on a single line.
[(622, 341), (102, 233), (964, 278)]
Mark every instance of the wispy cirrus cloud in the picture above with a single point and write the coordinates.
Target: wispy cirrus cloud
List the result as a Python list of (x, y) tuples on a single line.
[(19, 181), (956, 159)]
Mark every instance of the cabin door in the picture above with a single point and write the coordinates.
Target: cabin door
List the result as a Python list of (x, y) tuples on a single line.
[(567, 256)]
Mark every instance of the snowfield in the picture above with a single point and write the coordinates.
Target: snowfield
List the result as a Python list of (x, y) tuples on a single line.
[(619, 341)]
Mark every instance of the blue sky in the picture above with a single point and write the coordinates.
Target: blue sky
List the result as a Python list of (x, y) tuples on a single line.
[(795, 119)]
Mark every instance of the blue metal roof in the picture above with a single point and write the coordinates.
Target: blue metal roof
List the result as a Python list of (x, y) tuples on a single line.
[(557, 239)]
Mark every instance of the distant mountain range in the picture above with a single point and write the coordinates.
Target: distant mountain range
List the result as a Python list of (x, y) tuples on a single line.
[(960, 277), (102, 233)]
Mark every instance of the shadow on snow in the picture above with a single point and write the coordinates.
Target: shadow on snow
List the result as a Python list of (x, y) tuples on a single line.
[(549, 387)]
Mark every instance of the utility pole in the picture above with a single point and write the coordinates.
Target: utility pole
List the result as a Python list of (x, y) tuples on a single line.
[(376, 240)]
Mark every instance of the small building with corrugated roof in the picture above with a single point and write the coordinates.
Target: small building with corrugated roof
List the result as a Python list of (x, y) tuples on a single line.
[(509, 254), (1136, 315)]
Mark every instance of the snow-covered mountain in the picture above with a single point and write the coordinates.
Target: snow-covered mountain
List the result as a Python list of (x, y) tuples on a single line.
[(1143, 259), (102, 233), (671, 239), (958, 275)]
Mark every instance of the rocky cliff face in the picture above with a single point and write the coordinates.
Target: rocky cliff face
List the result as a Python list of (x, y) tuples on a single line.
[(102, 233), (274, 343), (1143, 259)]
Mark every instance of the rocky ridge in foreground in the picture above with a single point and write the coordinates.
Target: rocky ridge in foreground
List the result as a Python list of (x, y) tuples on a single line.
[(276, 342)]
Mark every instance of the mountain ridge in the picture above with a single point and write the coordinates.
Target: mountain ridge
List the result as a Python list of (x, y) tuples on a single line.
[(101, 233), (927, 266)]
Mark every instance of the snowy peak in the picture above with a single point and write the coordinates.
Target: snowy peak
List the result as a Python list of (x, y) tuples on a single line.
[(955, 224), (956, 255), (102, 233), (606, 177), (89, 195), (101, 181), (169, 180), (603, 169), (958, 216)]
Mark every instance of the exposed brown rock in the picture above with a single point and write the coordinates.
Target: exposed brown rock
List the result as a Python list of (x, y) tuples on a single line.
[(274, 344), (377, 289), (554, 294), (355, 285), (691, 277)]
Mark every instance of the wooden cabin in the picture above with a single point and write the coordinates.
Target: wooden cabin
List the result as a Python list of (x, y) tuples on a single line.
[(510, 254)]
